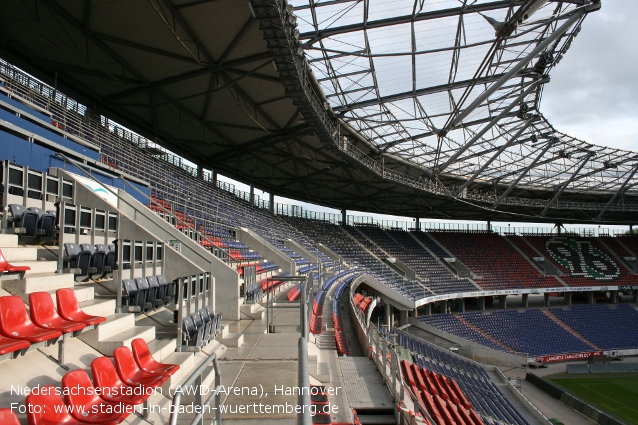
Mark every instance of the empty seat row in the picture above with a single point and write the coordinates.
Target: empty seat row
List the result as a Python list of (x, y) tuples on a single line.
[(147, 292), (90, 262), (33, 224), (20, 329), (201, 327)]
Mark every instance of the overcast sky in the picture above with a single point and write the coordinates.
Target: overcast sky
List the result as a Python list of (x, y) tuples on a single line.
[(593, 93)]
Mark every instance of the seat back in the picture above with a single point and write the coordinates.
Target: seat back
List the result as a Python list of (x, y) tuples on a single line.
[(197, 319), (16, 211), (78, 389), (104, 373), (8, 417), (13, 315), (193, 335), (130, 292), (166, 288), (153, 290), (42, 309), (141, 353), (97, 258), (55, 411), (125, 363), (67, 302), (143, 291), (109, 257), (47, 224)]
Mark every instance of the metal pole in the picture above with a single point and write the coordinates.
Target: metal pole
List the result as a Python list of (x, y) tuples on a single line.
[(267, 308), (303, 309), (303, 379)]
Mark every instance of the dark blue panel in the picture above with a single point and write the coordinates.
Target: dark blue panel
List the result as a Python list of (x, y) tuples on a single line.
[(36, 129), (25, 108)]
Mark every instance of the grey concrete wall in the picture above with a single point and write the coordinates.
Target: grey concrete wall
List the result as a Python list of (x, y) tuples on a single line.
[(289, 243), (139, 222), (259, 244), (330, 253)]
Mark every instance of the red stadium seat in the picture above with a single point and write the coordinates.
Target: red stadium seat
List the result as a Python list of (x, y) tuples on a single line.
[(54, 411), (5, 267), (147, 363), (85, 404), (15, 322), (44, 315), (111, 386), (7, 417), (10, 345), (130, 372), (69, 309)]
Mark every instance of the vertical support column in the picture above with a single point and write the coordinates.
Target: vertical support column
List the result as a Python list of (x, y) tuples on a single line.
[(568, 298), (590, 297), (612, 297), (387, 314), (489, 226), (252, 194), (502, 301), (215, 177), (271, 203), (344, 217), (462, 304), (428, 309), (417, 223), (635, 296), (525, 300), (200, 172), (444, 306), (546, 299), (403, 317), (481, 303)]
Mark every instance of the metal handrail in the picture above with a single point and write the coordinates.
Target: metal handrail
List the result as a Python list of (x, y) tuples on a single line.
[(196, 377)]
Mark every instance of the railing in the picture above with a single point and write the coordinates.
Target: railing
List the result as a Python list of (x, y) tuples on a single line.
[(196, 378), (193, 293)]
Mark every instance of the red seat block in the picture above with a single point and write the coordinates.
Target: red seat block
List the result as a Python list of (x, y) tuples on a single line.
[(46, 407), (7, 417), (130, 372), (87, 405), (69, 309), (44, 315), (147, 363), (111, 386), (15, 322), (10, 345), (5, 267)]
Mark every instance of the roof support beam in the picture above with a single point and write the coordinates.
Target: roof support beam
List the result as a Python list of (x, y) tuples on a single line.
[(415, 93), (496, 155), (491, 124), (618, 192), (564, 185), (314, 36), (549, 144), (514, 70)]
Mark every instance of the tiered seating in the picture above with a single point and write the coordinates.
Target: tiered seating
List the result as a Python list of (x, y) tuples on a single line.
[(294, 293), (607, 326), (260, 267), (343, 345), (355, 254), (316, 318), (530, 332), (33, 224), (361, 302), (492, 257), (201, 327), (271, 285), (454, 325), (463, 378), (606, 269), (147, 292), (523, 246)]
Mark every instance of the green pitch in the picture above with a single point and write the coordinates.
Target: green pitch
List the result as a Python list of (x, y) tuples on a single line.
[(614, 394)]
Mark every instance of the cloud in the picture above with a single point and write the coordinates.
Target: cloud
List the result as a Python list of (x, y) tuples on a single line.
[(593, 93)]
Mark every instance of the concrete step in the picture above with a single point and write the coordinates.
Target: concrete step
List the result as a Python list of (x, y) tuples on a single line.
[(124, 337), (82, 293), (186, 362), (254, 311), (20, 254), (232, 340), (44, 282), (38, 267), (115, 323), (8, 241), (98, 307), (161, 349)]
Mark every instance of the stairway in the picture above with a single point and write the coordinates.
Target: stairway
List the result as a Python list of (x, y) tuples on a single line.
[(568, 329)]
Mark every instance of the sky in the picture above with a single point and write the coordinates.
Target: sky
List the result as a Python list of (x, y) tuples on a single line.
[(593, 92)]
